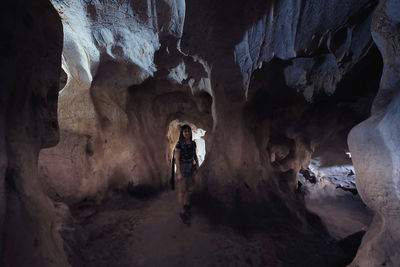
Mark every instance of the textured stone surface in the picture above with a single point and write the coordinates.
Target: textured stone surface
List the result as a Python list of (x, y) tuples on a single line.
[(246, 74), (193, 55), (375, 148), (258, 32), (109, 48), (30, 68)]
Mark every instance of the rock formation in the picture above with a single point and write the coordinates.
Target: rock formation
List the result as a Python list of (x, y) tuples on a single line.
[(30, 68), (198, 69), (270, 82), (374, 145), (114, 123)]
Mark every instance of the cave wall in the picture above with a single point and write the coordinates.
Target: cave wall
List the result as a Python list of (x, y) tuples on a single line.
[(374, 145), (133, 67), (316, 56), (113, 124), (210, 71), (30, 68), (202, 56)]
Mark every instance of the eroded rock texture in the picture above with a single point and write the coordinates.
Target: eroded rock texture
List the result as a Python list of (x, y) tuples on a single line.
[(375, 148), (270, 82), (207, 64), (255, 75), (30, 68), (121, 121)]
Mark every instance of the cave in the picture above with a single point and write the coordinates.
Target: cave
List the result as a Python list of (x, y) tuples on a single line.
[(294, 107)]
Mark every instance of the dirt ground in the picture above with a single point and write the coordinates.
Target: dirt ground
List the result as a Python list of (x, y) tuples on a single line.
[(129, 231), (148, 232), (343, 213)]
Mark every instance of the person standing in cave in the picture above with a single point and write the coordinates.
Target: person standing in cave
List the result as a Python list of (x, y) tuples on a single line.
[(186, 162)]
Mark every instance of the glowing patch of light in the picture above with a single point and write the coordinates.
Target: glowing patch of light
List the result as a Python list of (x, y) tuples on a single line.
[(200, 144)]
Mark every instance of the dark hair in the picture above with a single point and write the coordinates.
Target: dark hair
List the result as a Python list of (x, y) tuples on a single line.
[(184, 127)]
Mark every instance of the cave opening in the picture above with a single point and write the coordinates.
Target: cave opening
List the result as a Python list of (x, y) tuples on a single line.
[(307, 139), (302, 137), (330, 177), (306, 143)]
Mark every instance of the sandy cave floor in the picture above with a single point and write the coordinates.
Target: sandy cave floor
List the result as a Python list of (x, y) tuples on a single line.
[(128, 231), (343, 213), (148, 232)]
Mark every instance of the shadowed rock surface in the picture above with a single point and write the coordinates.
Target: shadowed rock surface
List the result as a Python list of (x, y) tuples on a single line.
[(30, 67)]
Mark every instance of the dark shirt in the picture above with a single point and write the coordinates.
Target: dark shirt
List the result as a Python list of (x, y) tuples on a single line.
[(187, 151)]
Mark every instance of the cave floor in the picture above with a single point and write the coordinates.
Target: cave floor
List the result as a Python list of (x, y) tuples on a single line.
[(148, 232), (342, 212), (129, 231)]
